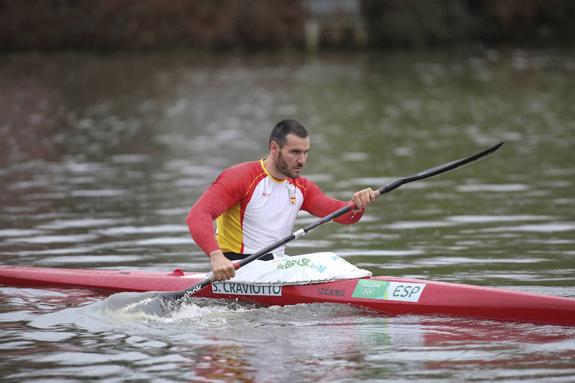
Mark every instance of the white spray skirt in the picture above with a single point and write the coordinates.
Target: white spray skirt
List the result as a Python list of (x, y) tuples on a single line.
[(299, 270)]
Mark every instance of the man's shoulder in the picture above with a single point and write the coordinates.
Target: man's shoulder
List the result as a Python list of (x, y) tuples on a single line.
[(244, 169), (241, 173)]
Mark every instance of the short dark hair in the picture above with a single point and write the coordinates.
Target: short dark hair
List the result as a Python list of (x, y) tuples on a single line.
[(285, 127)]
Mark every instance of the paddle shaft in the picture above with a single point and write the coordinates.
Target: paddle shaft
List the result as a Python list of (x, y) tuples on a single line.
[(303, 231)]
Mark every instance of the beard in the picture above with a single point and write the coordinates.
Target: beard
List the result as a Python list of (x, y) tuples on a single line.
[(284, 168)]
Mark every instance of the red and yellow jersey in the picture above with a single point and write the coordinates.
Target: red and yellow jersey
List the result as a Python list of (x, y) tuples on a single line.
[(252, 209)]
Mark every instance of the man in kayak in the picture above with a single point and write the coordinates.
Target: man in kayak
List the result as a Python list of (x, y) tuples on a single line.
[(256, 203)]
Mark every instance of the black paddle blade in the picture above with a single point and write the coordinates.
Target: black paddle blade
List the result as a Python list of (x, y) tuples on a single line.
[(152, 303), (160, 304), (439, 169), (454, 164)]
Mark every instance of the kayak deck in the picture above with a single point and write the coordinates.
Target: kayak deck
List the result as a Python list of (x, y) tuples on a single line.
[(388, 295)]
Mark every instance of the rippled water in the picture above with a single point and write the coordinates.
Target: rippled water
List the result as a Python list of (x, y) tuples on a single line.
[(101, 158)]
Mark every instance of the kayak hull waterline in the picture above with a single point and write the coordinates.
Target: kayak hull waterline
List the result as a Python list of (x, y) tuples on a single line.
[(388, 295)]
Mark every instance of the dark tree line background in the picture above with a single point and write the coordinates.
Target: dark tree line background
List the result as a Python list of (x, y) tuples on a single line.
[(275, 24)]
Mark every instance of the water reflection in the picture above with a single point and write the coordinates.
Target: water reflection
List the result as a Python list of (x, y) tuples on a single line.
[(237, 342)]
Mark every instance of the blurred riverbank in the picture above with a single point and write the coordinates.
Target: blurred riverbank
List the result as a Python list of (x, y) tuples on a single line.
[(256, 25)]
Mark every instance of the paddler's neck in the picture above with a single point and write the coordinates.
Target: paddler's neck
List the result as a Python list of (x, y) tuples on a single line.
[(270, 168)]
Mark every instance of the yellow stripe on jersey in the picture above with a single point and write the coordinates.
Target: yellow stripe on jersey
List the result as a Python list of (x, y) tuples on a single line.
[(229, 230), (277, 180)]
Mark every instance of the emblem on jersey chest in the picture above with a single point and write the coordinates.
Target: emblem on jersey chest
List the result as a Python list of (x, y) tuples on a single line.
[(292, 196)]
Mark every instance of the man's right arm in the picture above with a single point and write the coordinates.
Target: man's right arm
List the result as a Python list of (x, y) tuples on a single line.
[(214, 202)]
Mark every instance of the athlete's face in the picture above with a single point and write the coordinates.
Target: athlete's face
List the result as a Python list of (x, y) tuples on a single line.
[(291, 158)]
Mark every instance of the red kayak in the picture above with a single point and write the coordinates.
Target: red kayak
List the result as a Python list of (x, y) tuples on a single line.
[(388, 295)]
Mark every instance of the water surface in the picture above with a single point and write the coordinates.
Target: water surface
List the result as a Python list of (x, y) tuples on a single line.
[(101, 157)]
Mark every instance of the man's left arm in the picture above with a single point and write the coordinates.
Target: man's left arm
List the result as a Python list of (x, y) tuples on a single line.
[(319, 204)]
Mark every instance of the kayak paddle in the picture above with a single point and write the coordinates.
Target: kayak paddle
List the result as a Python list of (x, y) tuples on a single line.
[(176, 295)]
